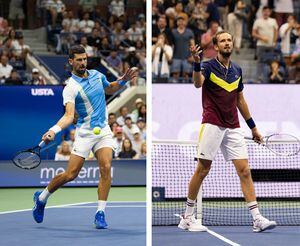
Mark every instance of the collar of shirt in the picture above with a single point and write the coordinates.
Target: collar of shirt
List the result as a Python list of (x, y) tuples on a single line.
[(80, 79)]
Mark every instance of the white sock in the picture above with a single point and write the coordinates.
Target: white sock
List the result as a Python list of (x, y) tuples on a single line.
[(190, 206), (101, 205), (253, 207), (44, 195)]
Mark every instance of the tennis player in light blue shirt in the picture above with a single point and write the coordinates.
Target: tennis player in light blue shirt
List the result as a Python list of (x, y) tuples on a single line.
[(85, 93)]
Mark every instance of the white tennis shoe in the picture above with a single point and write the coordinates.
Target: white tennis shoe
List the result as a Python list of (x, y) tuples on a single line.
[(190, 223), (262, 224)]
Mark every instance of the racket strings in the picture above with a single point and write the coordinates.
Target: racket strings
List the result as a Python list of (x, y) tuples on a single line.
[(27, 159), (290, 147)]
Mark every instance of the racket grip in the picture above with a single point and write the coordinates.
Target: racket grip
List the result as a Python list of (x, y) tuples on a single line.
[(42, 144)]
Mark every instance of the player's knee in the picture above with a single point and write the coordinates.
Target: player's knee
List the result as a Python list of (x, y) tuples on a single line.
[(245, 173), (203, 170), (105, 169)]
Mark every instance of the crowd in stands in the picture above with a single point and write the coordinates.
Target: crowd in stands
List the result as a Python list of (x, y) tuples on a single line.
[(119, 39), (271, 27), (129, 134), (13, 53)]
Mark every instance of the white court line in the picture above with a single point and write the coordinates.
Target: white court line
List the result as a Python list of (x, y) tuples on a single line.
[(110, 206), (222, 238), (67, 205)]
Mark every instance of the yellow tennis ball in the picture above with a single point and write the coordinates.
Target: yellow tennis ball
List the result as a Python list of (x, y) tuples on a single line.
[(97, 130)]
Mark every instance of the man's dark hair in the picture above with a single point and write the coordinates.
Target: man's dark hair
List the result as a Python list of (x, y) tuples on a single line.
[(215, 38), (266, 7), (76, 49)]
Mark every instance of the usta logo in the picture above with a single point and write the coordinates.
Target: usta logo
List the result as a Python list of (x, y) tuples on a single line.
[(42, 92)]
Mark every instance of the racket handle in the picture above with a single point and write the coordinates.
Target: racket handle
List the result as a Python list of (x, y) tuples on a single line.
[(42, 144)]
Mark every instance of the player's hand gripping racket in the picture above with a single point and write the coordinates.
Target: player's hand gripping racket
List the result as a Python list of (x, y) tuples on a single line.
[(281, 144), (30, 158)]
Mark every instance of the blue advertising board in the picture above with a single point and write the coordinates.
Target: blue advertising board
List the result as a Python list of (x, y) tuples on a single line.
[(26, 112), (123, 173)]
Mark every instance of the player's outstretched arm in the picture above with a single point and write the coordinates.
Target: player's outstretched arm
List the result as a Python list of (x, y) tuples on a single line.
[(198, 78), (63, 123), (244, 110), (130, 74)]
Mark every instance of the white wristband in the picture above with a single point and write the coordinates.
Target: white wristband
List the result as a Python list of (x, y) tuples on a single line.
[(56, 129)]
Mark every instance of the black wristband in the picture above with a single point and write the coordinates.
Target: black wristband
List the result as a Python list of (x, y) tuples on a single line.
[(197, 66), (250, 122)]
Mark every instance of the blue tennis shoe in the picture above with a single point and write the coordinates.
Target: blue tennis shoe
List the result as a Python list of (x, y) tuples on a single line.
[(99, 221), (38, 209)]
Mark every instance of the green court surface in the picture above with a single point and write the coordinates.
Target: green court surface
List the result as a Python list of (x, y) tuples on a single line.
[(21, 198)]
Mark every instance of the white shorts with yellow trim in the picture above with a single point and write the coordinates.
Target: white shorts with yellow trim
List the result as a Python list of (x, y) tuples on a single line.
[(86, 140), (231, 142)]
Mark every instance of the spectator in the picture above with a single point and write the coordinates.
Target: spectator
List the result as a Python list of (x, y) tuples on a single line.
[(105, 47), (141, 124), (16, 12), (115, 61), (296, 52), (63, 154), (5, 69), (10, 41), (88, 49), (71, 138), (36, 78), (118, 138), (141, 23), (118, 31), (294, 72), (135, 33), (69, 23), (123, 114), (56, 9), (21, 49), (235, 24), (275, 76), (127, 151), (14, 78), (129, 128), (94, 39), (111, 118), (198, 20), (114, 127), (285, 32), (183, 38), (223, 12), (265, 30), (88, 5), (207, 41), (283, 8), (117, 8), (86, 25), (4, 27), (143, 112), (135, 113), (160, 28), (176, 12), (143, 154), (212, 11), (137, 140), (161, 56), (132, 58)]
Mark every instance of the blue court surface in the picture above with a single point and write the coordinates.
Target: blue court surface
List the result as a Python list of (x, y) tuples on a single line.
[(73, 225), (226, 235)]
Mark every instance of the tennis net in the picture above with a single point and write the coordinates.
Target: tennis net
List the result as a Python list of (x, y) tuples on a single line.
[(276, 181)]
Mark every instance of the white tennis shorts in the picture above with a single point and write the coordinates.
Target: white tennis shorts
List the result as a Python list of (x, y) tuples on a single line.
[(86, 140), (231, 142)]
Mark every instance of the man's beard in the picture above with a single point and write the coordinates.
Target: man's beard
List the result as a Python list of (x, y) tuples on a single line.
[(81, 71), (226, 54)]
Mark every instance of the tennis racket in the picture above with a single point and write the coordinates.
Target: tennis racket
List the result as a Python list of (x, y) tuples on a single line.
[(281, 144), (30, 158)]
